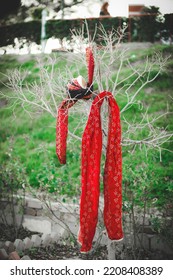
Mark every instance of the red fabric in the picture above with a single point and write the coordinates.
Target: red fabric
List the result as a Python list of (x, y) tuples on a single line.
[(90, 169), (62, 116), (90, 65), (90, 174), (62, 129)]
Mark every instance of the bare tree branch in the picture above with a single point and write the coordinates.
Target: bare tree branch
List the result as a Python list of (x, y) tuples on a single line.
[(113, 72)]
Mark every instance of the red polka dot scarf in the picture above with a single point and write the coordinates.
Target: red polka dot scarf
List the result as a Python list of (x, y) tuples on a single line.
[(90, 169)]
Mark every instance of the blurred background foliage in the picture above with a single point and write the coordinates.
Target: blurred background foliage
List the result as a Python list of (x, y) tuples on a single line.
[(151, 26), (142, 29)]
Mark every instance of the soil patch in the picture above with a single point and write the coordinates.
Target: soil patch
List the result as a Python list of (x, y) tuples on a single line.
[(9, 233), (63, 252)]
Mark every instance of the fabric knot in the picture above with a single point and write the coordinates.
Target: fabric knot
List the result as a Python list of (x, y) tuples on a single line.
[(78, 89)]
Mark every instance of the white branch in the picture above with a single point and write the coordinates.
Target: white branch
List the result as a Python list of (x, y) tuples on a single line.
[(48, 90)]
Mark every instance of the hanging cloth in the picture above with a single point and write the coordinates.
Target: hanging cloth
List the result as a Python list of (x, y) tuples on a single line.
[(75, 91), (90, 174), (62, 129), (91, 156)]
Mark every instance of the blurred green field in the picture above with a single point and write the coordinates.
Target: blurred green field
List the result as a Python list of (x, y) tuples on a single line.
[(28, 143)]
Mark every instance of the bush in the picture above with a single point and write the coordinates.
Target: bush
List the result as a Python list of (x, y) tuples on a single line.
[(12, 196), (144, 28)]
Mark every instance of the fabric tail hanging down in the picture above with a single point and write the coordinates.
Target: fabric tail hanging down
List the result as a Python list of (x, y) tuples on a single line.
[(90, 161), (62, 129), (90, 171), (74, 92)]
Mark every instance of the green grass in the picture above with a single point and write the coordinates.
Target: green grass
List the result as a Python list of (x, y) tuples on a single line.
[(31, 141)]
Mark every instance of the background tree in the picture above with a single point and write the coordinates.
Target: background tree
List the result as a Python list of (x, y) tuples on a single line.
[(150, 23), (9, 7), (21, 8)]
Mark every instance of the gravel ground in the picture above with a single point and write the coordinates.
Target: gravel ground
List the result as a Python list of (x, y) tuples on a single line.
[(54, 252), (65, 251)]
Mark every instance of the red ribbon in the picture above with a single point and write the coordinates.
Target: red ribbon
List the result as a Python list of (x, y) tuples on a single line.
[(90, 169), (62, 117), (90, 164), (90, 179), (90, 65), (62, 129)]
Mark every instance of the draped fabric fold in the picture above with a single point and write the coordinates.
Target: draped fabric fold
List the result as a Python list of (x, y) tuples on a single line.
[(90, 174)]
